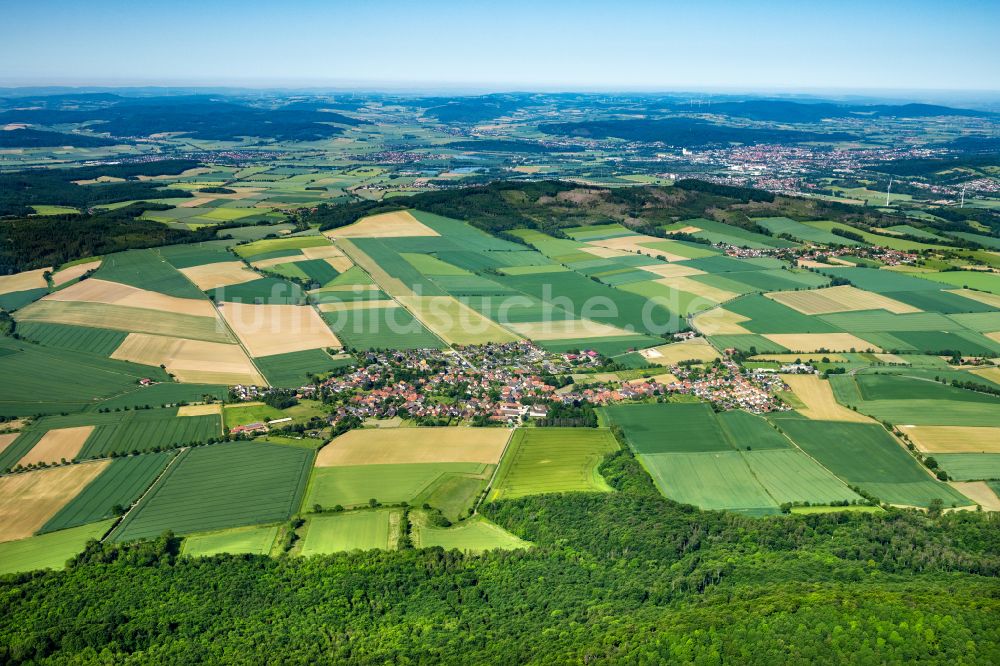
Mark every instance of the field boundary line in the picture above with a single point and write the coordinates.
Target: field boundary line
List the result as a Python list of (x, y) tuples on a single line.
[(153, 485), (489, 486)]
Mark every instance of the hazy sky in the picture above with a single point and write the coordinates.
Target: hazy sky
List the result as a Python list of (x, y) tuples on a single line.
[(920, 44)]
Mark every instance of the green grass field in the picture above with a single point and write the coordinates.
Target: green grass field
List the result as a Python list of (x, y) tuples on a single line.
[(669, 428), (239, 414), (265, 291), (291, 370), (867, 456), (381, 328), (970, 466), (48, 551), (710, 480), (42, 380), (221, 486), (138, 431), (352, 530), (146, 269), (553, 460), (799, 231), (100, 341), (121, 484), (748, 432), (256, 540), (253, 251), (354, 485), (792, 476), (165, 393), (473, 535)]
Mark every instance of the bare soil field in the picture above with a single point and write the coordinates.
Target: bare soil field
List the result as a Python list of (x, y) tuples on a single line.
[(415, 445), (566, 329), (23, 281), (199, 410), (980, 493)]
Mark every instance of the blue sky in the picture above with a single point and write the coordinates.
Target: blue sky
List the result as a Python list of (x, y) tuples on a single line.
[(501, 45)]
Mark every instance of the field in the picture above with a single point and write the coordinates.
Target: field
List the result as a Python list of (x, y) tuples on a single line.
[(954, 439), (191, 361), (450, 487), (221, 486), (30, 499), (838, 299), (711, 480), (253, 540), (354, 530), (120, 484), (102, 342), (278, 329), (791, 476), (146, 270), (113, 293), (381, 328), (970, 466), (220, 274), (249, 412), (387, 225), (669, 428), (28, 280), (821, 405), (697, 349), (74, 271), (813, 342), (455, 322), (799, 231), (748, 432), (122, 318), (56, 445), (420, 445), (553, 460), (291, 370), (980, 492), (143, 430), (867, 456), (473, 535), (48, 551)]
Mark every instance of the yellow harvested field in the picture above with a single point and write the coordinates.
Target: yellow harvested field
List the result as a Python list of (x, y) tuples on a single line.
[(278, 329), (993, 335), (840, 261), (992, 374), (135, 320), (689, 229), (981, 296), (200, 410), (192, 361), (695, 349), (719, 321), (340, 264), (454, 322), (707, 292), (566, 329), (115, 293), (56, 445), (791, 358), (322, 252), (838, 299), (340, 306), (671, 270), (23, 281), (813, 342), (74, 271), (605, 252), (7, 439), (809, 263), (415, 445), (221, 274), (196, 201), (892, 359), (954, 439), (631, 244), (28, 500), (387, 225), (664, 378), (818, 398), (979, 492), (275, 261)]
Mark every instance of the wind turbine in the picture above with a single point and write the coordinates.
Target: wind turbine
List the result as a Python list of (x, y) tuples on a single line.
[(963, 197), (887, 192)]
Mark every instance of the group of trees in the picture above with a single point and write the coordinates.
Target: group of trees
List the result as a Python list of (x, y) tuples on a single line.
[(620, 577)]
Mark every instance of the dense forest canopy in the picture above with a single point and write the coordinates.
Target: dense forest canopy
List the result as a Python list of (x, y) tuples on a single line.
[(621, 577)]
